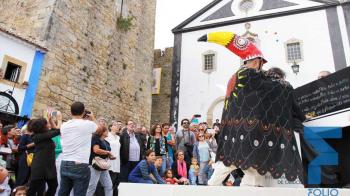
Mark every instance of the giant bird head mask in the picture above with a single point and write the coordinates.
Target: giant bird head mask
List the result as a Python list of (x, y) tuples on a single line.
[(240, 46)]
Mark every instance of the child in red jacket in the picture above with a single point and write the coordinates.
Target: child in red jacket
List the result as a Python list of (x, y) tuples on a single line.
[(169, 177)]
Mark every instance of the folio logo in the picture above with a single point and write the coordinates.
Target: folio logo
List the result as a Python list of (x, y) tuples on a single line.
[(326, 154), (322, 192)]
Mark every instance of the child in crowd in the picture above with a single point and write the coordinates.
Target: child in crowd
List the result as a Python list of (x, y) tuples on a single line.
[(19, 191), (169, 177), (145, 171), (158, 164), (193, 171)]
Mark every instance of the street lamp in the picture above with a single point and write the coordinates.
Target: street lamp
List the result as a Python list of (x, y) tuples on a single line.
[(295, 68)]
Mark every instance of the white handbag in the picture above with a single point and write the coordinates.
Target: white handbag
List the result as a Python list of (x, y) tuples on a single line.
[(101, 164)]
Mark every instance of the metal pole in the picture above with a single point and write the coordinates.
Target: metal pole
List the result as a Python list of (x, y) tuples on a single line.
[(121, 8)]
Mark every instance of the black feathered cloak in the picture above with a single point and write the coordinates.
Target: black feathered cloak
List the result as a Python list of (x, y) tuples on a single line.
[(257, 127)]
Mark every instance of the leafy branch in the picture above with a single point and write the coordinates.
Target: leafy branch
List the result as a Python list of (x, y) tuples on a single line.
[(125, 23)]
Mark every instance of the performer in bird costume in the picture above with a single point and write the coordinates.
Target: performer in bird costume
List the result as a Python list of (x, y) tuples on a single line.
[(257, 133)]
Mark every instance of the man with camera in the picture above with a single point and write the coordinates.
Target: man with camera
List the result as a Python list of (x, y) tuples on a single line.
[(185, 139), (76, 137)]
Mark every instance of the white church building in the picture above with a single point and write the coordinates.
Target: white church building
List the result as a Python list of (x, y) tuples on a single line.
[(302, 37)]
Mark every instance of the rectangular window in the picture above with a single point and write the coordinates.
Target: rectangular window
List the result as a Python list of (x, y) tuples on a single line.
[(12, 72), (209, 62), (294, 51)]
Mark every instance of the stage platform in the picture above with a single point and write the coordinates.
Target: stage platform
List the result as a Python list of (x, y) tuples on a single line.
[(130, 189)]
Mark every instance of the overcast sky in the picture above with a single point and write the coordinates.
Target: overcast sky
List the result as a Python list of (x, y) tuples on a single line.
[(169, 14)]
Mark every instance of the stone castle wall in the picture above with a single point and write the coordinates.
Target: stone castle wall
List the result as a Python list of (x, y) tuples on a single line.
[(90, 58), (29, 18), (161, 102)]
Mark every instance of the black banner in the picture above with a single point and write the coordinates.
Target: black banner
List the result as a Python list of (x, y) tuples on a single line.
[(325, 95)]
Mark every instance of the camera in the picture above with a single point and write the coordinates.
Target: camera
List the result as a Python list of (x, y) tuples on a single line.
[(188, 145), (86, 114), (197, 116)]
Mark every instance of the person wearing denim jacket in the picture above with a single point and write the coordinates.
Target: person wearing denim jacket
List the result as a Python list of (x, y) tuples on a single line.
[(201, 151)]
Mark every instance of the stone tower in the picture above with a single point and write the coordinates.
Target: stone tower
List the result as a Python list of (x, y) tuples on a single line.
[(161, 101), (90, 58)]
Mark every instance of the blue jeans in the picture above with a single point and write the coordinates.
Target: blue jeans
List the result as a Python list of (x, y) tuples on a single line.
[(164, 165), (192, 177), (76, 176), (203, 173), (171, 161), (104, 178)]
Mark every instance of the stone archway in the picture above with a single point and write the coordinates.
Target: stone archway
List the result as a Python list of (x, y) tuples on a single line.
[(211, 110)]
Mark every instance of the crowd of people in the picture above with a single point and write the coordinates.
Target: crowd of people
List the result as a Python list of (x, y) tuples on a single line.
[(85, 156)]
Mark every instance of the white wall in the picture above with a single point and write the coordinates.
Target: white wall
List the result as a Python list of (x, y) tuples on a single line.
[(329, 120), (238, 14), (198, 90), (21, 51), (126, 189)]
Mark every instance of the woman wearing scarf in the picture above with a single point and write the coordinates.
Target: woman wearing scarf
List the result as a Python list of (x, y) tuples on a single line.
[(180, 168), (158, 143)]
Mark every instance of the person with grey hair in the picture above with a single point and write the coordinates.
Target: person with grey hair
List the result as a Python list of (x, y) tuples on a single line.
[(276, 72), (131, 150), (323, 74)]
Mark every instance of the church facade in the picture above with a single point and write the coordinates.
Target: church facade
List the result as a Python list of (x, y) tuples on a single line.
[(302, 37)]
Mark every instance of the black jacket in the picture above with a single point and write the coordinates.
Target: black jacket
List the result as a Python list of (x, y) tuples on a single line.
[(44, 164), (125, 145)]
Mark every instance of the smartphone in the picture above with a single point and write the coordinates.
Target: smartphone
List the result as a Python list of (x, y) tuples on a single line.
[(54, 114)]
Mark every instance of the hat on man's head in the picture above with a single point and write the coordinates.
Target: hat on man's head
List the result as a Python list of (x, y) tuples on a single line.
[(240, 46)]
